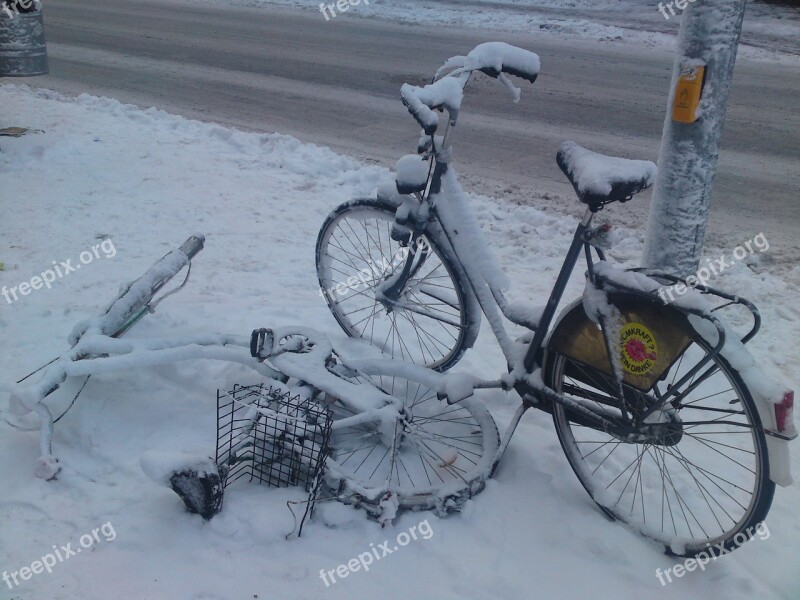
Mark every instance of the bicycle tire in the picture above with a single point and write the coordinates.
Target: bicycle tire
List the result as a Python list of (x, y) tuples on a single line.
[(686, 540), (444, 455), (424, 347)]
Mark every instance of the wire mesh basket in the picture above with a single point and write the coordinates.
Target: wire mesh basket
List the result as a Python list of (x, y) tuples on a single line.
[(271, 436)]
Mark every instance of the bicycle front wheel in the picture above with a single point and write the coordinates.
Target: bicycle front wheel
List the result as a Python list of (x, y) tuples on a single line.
[(433, 456), (703, 484), (430, 325)]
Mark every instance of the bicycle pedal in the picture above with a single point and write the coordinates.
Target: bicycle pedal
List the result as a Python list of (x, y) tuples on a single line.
[(261, 343)]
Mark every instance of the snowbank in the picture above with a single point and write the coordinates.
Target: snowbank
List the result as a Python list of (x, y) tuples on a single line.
[(147, 180)]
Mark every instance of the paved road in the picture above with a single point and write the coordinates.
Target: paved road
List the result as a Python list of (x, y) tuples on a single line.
[(336, 83)]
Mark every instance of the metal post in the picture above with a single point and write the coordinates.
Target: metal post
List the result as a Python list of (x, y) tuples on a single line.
[(701, 82)]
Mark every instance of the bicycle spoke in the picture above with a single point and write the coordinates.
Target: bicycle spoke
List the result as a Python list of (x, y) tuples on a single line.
[(697, 483), (427, 324)]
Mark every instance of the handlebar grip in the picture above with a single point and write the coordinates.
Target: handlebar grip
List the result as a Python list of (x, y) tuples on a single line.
[(493, 58), (522, 74), (423, 114), (423, 101), (193, 246)]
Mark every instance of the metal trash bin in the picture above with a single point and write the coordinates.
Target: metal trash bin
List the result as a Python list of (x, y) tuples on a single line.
[(22, 45)]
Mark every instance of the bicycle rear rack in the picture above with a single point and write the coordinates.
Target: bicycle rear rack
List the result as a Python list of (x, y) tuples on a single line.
[(709, 291)]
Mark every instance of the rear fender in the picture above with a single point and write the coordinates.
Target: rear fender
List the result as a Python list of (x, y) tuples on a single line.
[(665, 333), (652, 338)]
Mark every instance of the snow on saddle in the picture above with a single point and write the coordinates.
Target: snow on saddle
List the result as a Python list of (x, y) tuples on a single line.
[(599, 179)]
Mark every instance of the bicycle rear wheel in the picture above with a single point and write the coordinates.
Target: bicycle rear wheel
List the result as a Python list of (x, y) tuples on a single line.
[(703, 486), (436, 318)]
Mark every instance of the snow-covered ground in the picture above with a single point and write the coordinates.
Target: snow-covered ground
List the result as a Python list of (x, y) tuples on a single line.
[(771, 32), (147, 180)]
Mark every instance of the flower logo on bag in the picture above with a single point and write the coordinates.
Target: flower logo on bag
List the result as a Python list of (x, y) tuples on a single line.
[(638, 348)]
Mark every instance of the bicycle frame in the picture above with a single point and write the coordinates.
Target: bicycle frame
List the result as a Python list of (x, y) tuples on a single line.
[(490, 306), (493, 302), (531, 387)]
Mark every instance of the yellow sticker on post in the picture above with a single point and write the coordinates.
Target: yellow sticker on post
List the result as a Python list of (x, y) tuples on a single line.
[(688, 92)]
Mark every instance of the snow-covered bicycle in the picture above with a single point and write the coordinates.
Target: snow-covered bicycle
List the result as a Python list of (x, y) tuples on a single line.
[(674, 434), (659, 408)]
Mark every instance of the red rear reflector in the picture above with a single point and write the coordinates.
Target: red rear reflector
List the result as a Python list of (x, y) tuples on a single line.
[(783, 412)]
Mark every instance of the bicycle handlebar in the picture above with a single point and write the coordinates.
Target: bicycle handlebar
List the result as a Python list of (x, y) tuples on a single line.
[(421, 102), (494, 59)]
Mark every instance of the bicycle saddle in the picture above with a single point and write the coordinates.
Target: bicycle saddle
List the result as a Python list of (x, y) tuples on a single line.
[(599, 179)]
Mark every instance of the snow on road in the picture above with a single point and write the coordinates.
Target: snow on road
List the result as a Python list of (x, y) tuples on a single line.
[(147, 180), (771, 32)]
